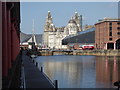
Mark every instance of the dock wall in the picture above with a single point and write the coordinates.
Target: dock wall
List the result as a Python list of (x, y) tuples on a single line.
[(82, 52), (98, 52)]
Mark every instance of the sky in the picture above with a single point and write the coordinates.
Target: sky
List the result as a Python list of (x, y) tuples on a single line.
[(62, 12)]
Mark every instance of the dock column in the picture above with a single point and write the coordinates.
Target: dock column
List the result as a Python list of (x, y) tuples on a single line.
[(33, 60), (114, 46), (41, 69), (56, 84), (36, 64)]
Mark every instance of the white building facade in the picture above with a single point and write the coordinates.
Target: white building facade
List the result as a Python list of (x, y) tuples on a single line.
[(53, 36)]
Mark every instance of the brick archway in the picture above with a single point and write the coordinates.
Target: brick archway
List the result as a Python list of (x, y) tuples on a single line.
[(118, 44)]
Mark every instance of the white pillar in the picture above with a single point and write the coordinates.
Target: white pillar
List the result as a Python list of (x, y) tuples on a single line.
[(114, 46), (106, 46)]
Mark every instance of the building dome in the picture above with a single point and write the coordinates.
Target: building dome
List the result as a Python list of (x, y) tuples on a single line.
[(72, 21)]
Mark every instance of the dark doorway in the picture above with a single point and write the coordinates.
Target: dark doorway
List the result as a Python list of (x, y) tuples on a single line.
[(118, 44), (110, 46)]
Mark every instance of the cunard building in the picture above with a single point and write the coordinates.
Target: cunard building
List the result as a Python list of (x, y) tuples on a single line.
[(53, 36)]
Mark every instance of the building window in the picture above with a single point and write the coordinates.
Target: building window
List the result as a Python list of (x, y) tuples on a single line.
[(110, 34), (110, 28), (110, 23), (118, 23), (118, 33), (110, 39), (118, 28)]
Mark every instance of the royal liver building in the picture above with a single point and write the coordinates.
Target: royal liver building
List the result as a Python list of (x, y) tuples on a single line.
[(52, 37)]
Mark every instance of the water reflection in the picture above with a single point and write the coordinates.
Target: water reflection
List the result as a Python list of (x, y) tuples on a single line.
[(106, 71), (81, 71)]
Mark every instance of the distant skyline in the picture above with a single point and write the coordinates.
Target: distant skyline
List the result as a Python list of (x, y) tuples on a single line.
[(62, 12)]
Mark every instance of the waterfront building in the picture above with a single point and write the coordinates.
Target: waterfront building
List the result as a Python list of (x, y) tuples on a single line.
[(31, 41), (26, 40), (52, 37), (86, 37), (107, 34)]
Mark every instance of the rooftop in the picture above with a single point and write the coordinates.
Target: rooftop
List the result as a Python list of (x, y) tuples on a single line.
[(83, 32), (25, 37), (108, 19)]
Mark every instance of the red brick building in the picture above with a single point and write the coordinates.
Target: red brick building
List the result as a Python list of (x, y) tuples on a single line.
[(107, 34)]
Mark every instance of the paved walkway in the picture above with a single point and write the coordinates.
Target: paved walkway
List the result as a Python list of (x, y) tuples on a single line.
[(33, 77)]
